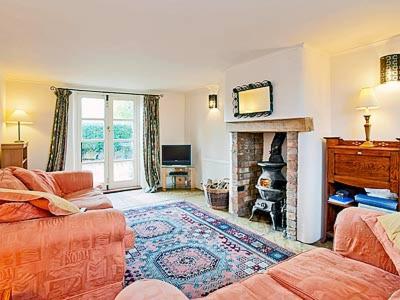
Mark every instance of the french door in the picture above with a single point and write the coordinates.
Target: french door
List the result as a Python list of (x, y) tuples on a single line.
[(108, 132)]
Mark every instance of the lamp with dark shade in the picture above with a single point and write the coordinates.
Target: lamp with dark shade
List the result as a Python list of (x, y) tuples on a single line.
[(390, 68)]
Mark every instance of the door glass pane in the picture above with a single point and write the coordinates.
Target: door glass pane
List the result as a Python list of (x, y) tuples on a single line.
[(92, 129), (92, 151), (92, 108), (123, 170), (123, 130), (123, 109), (123, 150), (97, 169)]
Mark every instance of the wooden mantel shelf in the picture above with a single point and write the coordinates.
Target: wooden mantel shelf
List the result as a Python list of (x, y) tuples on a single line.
[(275, 125)]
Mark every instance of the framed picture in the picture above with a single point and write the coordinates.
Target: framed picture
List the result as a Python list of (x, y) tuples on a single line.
[(253, 100)]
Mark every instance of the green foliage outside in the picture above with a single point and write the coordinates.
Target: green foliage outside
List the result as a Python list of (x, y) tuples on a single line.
[(123, 109), (95, 150)]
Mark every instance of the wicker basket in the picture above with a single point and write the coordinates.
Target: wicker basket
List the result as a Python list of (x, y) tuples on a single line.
[(217, 198)]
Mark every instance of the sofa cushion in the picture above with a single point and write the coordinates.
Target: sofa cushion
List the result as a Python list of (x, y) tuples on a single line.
[(20, 211), (256, 287), (358, 241), (90, 199), (38, 180), (323, 274), (73, 181), (150, 289), (375, 224), (9, 181)]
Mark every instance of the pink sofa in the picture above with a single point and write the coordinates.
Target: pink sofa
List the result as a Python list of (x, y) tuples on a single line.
[(80, 256), (358, 268)]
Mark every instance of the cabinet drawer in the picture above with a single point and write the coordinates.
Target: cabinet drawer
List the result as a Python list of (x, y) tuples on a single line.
[(363, 152), (362, 166)]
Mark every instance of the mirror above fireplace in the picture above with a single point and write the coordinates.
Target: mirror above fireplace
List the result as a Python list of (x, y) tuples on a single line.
[(253, 100)]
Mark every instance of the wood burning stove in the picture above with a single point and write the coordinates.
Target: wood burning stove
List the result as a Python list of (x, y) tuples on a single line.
[(271, 185)]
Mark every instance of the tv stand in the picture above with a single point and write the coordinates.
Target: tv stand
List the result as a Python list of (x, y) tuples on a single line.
[(186, 171)]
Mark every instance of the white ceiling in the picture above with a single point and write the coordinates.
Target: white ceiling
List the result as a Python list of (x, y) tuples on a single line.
[(173, 44)]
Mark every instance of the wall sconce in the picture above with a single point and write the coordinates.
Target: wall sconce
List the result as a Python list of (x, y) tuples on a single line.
[(390, 68), (213, 96), (212, 101)]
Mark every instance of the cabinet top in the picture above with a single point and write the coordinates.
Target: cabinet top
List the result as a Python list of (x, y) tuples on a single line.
[(14, 145), (337, 142)]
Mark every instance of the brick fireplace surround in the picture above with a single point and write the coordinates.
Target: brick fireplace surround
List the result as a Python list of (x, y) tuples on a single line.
[(247, 143)]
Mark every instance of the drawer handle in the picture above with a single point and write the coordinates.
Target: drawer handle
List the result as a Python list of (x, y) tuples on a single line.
[(359, 153)]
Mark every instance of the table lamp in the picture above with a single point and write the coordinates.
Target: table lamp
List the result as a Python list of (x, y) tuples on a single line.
[(367, 101), (20, 117)]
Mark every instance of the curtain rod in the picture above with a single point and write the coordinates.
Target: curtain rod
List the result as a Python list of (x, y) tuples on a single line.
[(53, 88)]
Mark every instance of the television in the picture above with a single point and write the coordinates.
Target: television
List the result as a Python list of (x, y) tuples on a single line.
[(176, 155)]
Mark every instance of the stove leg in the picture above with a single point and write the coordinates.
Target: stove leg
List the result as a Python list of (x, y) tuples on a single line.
[(273, 218), (252, 213)]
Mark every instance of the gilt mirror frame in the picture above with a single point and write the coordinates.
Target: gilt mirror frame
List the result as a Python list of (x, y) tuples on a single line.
[(251, 86)]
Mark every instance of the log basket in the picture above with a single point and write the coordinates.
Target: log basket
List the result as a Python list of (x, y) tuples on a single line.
[(217, 198)]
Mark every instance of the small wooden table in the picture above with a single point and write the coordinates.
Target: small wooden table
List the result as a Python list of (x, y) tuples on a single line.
[(14, 154), (165, 172)]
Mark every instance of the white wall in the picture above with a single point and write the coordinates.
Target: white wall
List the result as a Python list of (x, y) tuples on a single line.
[(311, 174), (352, 71), (172, 118), (301, 80), (39, 102), (206, 132), (2, 107), (284, 69)]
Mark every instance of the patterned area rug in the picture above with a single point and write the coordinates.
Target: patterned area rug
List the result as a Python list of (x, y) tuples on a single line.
[(194, 250)]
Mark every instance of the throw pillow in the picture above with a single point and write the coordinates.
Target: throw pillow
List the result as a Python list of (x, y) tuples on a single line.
[(9, 181), (391, 224), (38, 180), (395, 295), (374, 223)]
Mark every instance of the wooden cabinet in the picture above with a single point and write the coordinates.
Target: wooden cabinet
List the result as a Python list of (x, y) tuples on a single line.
[(350, 166), (15, 154)]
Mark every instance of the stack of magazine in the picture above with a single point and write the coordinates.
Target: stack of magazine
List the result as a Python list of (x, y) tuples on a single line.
[(377, 199), (339, 199)]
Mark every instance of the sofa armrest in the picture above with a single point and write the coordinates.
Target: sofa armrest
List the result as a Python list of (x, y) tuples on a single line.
[(61, 257), (73, 181), (354, 239)]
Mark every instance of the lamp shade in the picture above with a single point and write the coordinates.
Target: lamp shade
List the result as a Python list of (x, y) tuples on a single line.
[(19, 115), (367, 99), (390, 68)]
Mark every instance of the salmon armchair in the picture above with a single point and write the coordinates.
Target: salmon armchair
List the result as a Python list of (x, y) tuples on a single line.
[(79, 256)]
